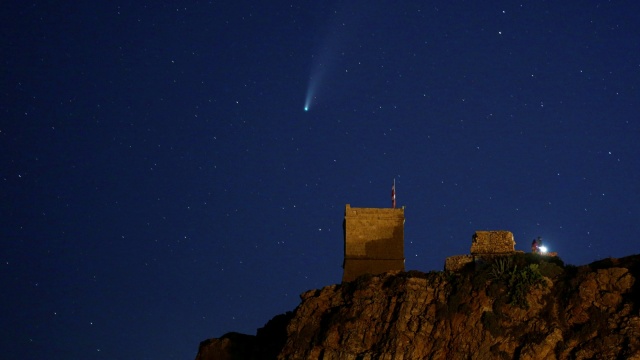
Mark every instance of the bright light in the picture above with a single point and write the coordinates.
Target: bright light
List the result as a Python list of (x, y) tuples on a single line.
[(543, 249)]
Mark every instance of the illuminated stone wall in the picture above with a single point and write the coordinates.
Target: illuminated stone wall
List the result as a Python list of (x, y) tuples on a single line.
[(456, 263), (373, 241), (492, 242), (485, 245)]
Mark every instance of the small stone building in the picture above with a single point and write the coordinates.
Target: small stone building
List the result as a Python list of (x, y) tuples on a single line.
[(493, 243), (484, 245), (373, 241)]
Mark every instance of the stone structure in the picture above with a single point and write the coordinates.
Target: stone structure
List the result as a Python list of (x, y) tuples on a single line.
[(484, 245), (373, 241), (492, 242), (457, 262)]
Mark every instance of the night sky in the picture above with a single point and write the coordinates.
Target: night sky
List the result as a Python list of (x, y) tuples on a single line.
[(161, 182)]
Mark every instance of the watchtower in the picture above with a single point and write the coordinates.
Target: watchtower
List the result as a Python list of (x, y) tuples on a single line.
[(373, 241)]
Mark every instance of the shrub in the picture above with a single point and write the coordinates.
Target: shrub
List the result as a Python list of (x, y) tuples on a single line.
[(500, 268), (519, 273), (520, 282), (550, 269)]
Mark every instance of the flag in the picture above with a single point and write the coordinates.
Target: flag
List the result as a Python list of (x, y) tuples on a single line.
[(393, 194)]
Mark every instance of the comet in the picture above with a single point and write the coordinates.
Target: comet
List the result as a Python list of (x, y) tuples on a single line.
[(310, 94)]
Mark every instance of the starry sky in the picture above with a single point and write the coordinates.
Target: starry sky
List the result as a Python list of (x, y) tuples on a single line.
[(161, 182)]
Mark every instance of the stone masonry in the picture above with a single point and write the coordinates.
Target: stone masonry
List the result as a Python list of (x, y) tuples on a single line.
[(492, 242), (457, 262), (484, 245), (373, 241)]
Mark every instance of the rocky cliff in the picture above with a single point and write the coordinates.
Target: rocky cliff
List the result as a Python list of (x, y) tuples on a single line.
[(523, 306)]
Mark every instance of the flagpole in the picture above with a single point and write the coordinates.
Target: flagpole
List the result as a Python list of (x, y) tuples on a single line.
[(393, 194)]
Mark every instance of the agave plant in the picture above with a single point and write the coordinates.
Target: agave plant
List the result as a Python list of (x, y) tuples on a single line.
[(500, 268)]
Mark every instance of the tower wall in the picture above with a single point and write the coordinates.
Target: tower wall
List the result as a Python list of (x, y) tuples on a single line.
[(373, 241)]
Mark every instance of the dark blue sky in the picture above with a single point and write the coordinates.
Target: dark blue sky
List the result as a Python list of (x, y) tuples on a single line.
[(161, 183)]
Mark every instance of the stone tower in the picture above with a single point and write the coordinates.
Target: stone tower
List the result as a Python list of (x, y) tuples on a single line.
[(373, 241)]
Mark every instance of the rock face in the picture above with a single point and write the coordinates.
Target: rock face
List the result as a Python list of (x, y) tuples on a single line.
[(523, 307)]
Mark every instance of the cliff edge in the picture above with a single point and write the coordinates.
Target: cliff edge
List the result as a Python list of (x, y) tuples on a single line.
[(524, 306)]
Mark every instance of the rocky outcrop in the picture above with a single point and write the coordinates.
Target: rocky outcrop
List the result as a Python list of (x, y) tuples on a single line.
[(523, 308), (267, 344)]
